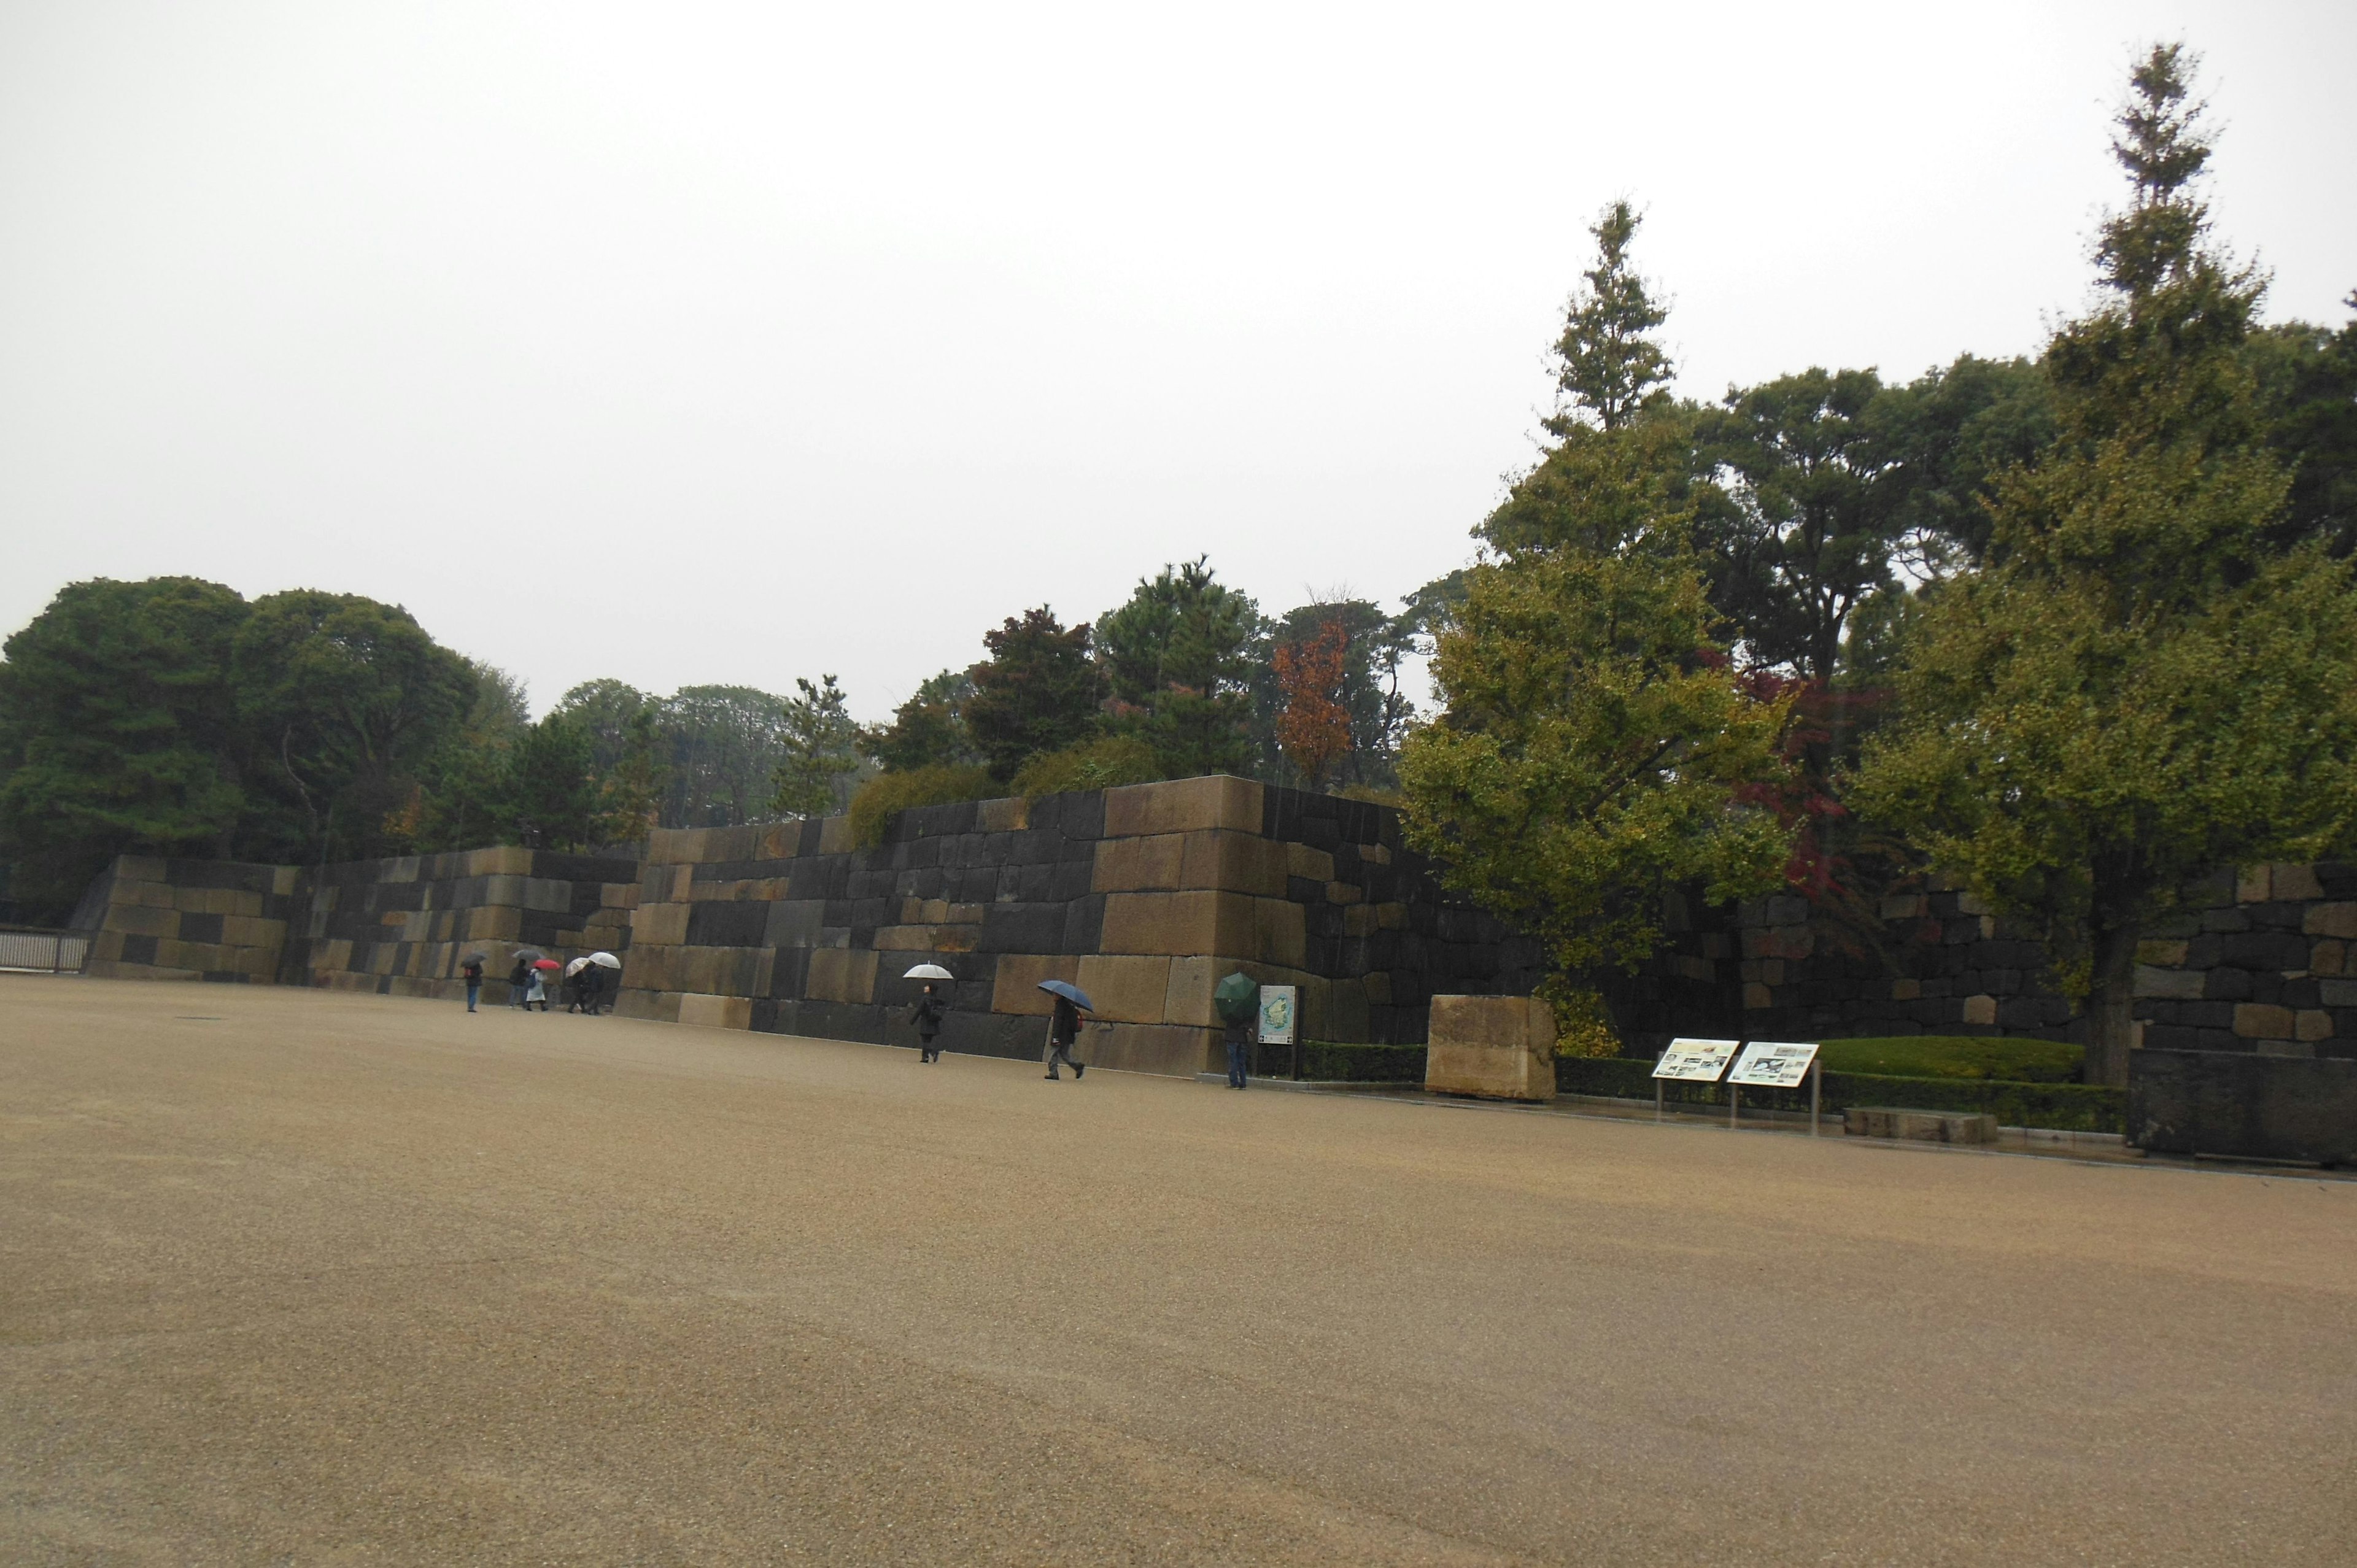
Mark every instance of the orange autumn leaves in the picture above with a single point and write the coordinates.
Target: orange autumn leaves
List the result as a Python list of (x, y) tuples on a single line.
[(1314, 726)]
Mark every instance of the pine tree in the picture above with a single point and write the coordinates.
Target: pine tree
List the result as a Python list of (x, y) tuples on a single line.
[(1610, 365)]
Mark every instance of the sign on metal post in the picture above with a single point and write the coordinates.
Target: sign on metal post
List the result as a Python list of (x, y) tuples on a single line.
[(1278, 1016), (1694, 1061), (1777, 1064)]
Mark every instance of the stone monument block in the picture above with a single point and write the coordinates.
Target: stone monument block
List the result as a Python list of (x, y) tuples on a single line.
[(1183, 805), (1496, 1047)]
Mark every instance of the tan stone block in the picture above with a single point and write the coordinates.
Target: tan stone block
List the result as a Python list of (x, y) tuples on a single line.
[(1345, 893), (841, 974), (1391, 917), (2263, 1021), (1170, 1049), (1498, 1047), (2254, 886), (282, 879), (1126, 990), (2312, 1024), (252, 931), (2288, 883), (2331, 920), (682, 884), (505, 860), (1966, 903), (1375, 854), (1183, 805), (140, 868), (1177, 924), (965, 914), (1189, 999), (1128, 866), (1015, 987), (1904, 906), (1280, 933), (1378, 987), (715, 1011), (2161, 955), (1009, 814), (1980, 1009), (835, 836), (1233, 862), (923, 939), (495, 925), (2327, 958), (1316, 865), (659, 924), (1756, 996), (1906, 989), (666, 847)]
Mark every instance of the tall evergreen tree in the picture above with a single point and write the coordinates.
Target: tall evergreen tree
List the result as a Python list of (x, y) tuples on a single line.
[(2142, 685), (1037, 692), (1178, 649), (1608, 365)]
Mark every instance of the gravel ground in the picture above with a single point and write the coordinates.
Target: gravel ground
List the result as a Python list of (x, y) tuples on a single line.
[(306, 1277)]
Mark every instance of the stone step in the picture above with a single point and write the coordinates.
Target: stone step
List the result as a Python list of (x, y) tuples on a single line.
[(1920, 1126)]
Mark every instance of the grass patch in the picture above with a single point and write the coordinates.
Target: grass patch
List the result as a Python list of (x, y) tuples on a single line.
[(1956, 1056), (2061, 1107), (887, 795)]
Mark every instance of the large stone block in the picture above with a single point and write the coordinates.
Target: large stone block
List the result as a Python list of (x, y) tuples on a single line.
[(659, 925), (1177, 924), (2263, 1021), (507, 860), (1310, 865), (1015, 987), (1233, 863), (715, 1011), (1008, 814), (1497, 1048), (1135, 865), (841, 974), (1919, 1126), (1280, 933), (1126, 988), (1183, 805), (2174, 984), (2331, 920), (1172, 1049)]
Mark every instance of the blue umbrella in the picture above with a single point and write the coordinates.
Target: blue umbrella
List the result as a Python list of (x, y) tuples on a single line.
[(1069, 992)]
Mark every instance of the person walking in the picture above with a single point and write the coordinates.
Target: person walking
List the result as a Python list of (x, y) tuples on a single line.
[(518, 979), (1063, 1028), (1239, 1038), (926, 1014), (473, 971), (536, 992), (592, 987)]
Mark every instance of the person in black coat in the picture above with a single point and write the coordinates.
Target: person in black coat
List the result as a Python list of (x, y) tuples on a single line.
[(925, 1013), (519, 981), (1063, 1028), (474, 973)]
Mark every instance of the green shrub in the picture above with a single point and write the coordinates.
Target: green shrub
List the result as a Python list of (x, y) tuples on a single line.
[(887, 795), (1324, 1061), (1956, 1056), (1098, 764)]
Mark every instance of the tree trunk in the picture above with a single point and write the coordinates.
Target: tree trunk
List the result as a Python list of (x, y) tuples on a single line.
[(2111, 1008)]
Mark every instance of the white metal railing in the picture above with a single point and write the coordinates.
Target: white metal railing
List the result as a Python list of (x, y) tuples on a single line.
[(51, 952)]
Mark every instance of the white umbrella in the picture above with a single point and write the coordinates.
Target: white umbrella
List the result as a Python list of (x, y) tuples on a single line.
[(604, 960), (576, 967), (929, 971)]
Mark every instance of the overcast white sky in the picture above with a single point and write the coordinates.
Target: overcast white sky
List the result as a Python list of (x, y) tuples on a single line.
[(720, 342)]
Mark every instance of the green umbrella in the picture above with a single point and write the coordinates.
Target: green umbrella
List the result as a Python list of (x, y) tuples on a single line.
[(1237, 998)]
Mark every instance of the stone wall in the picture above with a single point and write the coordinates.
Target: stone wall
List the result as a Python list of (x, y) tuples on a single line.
[(2259, 961), (155, 919), (1143, 897)]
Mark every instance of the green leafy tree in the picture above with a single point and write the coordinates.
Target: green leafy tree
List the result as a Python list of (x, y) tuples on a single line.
[(344, 701), (1608, 367), (1946, 437), (1376, 647), (2308, 387), (820, 753), (118, 733), (606, 707), (1180, 651), (555, 791), (722, 745), (928, 730), (631, 792), (2140, 687), (469, 784), (1597, 748), (1038, 692)]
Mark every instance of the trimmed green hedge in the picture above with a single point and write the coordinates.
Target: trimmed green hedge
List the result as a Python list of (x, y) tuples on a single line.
[(1956, 1056), (2061, 1107), (1324, 1061)]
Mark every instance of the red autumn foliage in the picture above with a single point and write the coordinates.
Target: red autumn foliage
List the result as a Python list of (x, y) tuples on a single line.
[(1314, 727)]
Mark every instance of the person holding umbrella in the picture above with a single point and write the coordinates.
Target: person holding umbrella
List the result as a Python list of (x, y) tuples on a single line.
[(925, 1013), (538, 990), (1064, 1025), (519, 977), (473, 970)]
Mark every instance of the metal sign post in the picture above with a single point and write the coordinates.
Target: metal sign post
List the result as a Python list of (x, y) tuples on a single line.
[(1775, 1064), (1690, 1061)]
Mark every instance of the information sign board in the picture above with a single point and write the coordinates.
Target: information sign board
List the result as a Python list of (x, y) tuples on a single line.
[(1277, 1014), (1773, 1064), (1699, 1060)]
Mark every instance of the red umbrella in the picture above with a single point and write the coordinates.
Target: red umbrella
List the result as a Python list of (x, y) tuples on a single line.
[(548, 964)]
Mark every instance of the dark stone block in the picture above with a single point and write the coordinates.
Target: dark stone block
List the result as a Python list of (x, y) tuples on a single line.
[(2227, 985), (2225, 919), (2276, 916), (139, 949), (2204, 952), (1083, 926), (1035, 846), (977, 885), (1317, 832), (2337, 878), (1079, 816), (874, 911), (2266, 987), (2267, 950), (790, 973), (732, 923), (1024, 928), (200, 928), (1034, 883), (819, 876), (2021, 1013), (2299, 994), (2210, 1102), (1305, 890), (1070, 879)]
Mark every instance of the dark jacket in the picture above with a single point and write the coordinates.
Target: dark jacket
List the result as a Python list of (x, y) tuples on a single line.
[(473, 971), (926, 1014), (1066, 1026), (521, 975)]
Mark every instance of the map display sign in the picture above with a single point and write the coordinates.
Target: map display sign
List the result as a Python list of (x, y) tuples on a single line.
[(1774, 1064), (1276, 1014), (1700, 1060)]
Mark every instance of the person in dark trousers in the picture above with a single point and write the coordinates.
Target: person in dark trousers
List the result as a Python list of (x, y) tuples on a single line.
[(1063, 1028), (519, 978), (1239, 1038), (592, 988), (926, 1014), (474, 973)]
